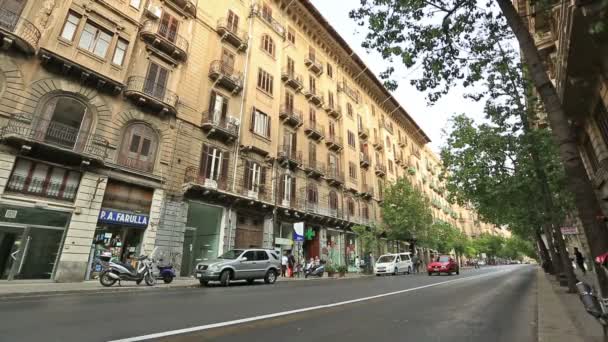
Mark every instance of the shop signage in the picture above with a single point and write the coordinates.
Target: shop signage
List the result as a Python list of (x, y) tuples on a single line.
[(298, 231), (569, 231), (310, 234), (298, 238), (119, 217), (283, 242)]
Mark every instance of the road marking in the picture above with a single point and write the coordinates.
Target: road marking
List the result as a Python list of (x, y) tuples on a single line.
[(296, 311)]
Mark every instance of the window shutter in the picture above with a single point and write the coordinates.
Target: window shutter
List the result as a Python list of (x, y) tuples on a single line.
[(212, 105), (252, 125), (225, 168), (247, 175), (293, 191), (281, 188), (203, 165), (224, 109), (268, 127), (262, 180)]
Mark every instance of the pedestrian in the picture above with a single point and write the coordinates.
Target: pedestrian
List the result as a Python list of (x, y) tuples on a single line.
[(357, 263), (415, 260), (291, 263), (580, 260), (370, 264), (284, 261)]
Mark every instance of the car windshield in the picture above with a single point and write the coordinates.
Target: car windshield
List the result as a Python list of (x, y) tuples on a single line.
[(443, 259), (231, 254), (386, 258)]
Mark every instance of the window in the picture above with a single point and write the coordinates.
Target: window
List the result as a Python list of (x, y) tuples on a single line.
[(214, 164), (120, 52), (265, 81), (590, 152), (135, 3), (261, 255), (40, 179), (601, 118), (260, 123), (352, 170), (250, 255), (291, 35), (380, 188), (312, 194), (373, 110), (332, 129), (218, 108), (333, 200), (289, 101), (390, 166), (351, 139), (312, 154), (330, 71), (312, 53), (388, 143), (70, 26), (255, 176), (350, 204), (330, 99), (266, 12), (359, 122), (138, 149), (268, 44), (95, 40), (365, 212), (287, 188), (156, 80), (291, 67), (233, 22), (349, 109), (312, 116), (169, 26), (312, 83)]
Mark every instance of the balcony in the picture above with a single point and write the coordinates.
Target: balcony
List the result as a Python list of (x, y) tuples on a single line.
[(195, 178), (291, 116), (222, 128), (233, 36), (333, 111), (186, 7), (269, 20), (288, 154), (350, 92), (364, 160), (253, 192), (54, 139), (313, 65), (19, 32), (380, 170), (367, 191), (314, 98), (314, 131), (225, 76), (334, 142), (334, 177), (314, 168), (292, 80), (161, 37), (399, 159), (363, 133), (146, 92), (402, 142), (377, 143)]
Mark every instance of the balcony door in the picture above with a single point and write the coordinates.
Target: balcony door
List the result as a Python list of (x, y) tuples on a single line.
[(218, 108), (227, 62), (156, 81), (168, 27), (332, 164), (289, 143), (312, 154), (64, 122), (10, 11), (233, 22)]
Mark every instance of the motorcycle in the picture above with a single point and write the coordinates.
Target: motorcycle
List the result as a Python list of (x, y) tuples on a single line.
[(315, 271), (166, 273), (118, 271)]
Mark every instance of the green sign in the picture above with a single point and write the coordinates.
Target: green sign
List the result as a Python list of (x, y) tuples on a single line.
[(310, 234)]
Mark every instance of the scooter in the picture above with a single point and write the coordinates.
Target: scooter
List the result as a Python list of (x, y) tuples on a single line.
[(166, 273), (315, 271), (118, 271)]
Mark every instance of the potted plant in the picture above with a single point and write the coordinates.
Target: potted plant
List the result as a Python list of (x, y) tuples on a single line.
[(342, 269), (331, 270)]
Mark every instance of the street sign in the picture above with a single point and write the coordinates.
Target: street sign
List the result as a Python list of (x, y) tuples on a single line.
[(298, 231), (569, 230), (297, 238)]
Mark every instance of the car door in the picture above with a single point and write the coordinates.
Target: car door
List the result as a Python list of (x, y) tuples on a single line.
[(405, 261), (245, 268), (263, 262)]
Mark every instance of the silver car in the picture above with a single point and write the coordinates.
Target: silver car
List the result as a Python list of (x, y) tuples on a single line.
[(240, 264)]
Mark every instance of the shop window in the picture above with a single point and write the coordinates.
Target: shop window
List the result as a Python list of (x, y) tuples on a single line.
[(39, 179), (138, 149)]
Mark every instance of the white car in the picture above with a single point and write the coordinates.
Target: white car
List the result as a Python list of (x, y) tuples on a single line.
[(393, 264)]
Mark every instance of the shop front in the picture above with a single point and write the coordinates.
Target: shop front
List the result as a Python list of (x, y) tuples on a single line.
[(121, 225), (30, 241), (350, 251), (335, 247), (202, 235)]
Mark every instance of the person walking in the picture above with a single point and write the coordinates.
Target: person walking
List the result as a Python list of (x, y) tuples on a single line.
[(580, 260), (291, 263), (284, 261), (415, 260)]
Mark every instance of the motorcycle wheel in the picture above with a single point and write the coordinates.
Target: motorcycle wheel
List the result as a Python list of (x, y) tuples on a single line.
[(168, 280), (150, 280), (106, 280)]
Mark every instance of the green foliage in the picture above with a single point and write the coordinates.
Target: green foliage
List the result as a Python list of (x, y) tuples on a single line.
[(342, 269), (491, 245), (406, 213), (368, 237), (329, 268)]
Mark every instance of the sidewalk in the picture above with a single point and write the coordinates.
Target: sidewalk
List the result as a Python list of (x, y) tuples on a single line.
[(33, 288), (561, 316)]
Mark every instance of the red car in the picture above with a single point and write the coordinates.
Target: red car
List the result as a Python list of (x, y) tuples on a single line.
[(443, 264)]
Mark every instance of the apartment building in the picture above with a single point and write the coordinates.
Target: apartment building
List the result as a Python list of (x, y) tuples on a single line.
[(130, 125)]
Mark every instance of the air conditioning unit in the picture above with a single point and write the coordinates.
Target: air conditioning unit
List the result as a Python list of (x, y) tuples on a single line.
[(210, 183), (252, 194), (286, 203), (234, 121), (154, 11)]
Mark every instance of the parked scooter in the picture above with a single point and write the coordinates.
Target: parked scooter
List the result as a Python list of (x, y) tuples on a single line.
[(316, 271), (118, 271), (166, 273)]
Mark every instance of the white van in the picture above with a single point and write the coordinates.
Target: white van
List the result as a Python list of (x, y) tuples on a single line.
[(393, 264)]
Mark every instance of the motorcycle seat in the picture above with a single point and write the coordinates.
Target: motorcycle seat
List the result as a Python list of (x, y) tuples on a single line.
[(127, 266)]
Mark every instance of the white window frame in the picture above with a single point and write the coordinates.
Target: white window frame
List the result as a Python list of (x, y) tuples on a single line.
[(216, 165), (98, 36), (122, 50), (135, 3), (260, 123), (255, 175), (70, 27)]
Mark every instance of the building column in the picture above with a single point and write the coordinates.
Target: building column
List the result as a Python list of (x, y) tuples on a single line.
[(227, 230), (268, 232), (149, 239), (72, 265)]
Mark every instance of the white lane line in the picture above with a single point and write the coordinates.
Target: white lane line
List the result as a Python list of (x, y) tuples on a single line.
[(296, 311)]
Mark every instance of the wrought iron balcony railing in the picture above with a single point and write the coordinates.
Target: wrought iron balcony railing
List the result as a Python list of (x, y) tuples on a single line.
[(148, 89), (21, 28)]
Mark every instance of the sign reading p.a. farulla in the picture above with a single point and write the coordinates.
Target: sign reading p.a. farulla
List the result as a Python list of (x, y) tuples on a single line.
[(126, 218)]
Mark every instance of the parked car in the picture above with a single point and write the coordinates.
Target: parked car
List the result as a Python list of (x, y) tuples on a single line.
[(393, 264), (240, 264), (443, 264)]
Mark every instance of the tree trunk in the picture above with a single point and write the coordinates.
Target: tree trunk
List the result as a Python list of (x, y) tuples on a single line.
[(544, 253), (579, 183), (566, 263), (557, 266)]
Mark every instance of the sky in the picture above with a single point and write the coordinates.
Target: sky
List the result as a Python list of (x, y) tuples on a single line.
[(432, 119)]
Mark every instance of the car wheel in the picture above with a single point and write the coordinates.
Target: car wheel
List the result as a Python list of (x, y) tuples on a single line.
[(250, 281), (203, 282), (270, 277), (409, 270), (377, 275), (225, 278)]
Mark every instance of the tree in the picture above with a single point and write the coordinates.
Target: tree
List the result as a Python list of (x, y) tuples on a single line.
[(406, 213), (457, 41)]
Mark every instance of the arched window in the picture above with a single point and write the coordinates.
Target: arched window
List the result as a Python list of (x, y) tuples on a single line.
[(64, 121), (312, 194), (333, 200), (268, 44), (138, 149), (350, 204)]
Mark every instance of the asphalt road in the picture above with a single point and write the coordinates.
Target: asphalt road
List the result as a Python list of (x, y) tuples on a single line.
[(491, 304)]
